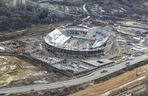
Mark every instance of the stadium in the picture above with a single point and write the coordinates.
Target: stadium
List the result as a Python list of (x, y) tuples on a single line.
[(77, 41)]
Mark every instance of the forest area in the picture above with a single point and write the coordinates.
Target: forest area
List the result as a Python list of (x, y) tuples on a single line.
[(23, 16)]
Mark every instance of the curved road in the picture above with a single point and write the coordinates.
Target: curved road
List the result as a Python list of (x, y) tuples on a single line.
[(85, 9), (94, 75)]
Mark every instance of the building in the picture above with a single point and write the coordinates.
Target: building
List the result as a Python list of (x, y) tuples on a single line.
[(77, 41), (17, 2)]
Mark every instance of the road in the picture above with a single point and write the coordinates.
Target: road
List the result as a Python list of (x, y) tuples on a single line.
[(94, 75)]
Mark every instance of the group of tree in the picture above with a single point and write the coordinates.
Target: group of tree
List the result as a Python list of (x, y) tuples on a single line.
[(13, 18)]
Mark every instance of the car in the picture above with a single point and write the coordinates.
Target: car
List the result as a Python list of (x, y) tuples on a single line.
[(127, 63), (2, 94), (103, 71)]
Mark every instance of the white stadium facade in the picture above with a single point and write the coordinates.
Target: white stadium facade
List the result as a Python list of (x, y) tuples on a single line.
[(77, 41)]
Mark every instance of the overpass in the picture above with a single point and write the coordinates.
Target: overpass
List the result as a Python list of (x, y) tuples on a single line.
[(77, 81)]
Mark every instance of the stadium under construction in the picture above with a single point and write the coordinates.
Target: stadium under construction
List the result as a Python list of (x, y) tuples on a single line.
[(77, 41)]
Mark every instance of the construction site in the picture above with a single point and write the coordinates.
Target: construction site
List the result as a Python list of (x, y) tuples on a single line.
[(74, 52), (96, 55)]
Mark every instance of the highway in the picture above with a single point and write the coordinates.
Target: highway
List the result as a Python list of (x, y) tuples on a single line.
[(94, 75)]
